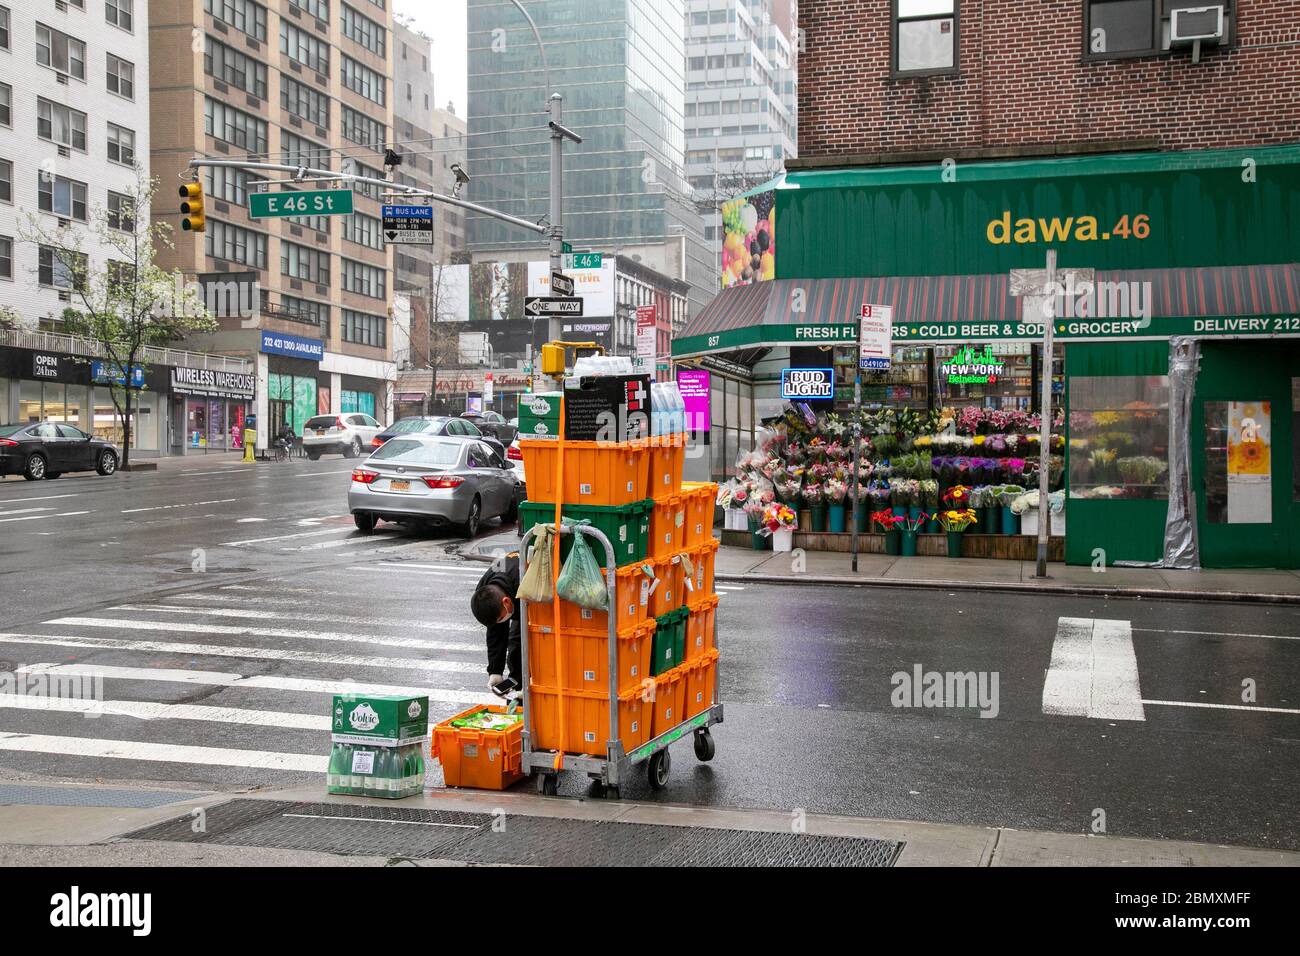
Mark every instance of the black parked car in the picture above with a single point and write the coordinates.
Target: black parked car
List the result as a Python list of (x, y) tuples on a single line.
[(436, 425), (494, 425), (48, 449)]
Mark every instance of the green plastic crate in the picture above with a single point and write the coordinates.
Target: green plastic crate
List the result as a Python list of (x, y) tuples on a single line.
[(669, 646), (626, 526)]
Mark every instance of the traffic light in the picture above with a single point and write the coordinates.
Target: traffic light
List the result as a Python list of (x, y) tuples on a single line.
[(192, 208), (552, 359)]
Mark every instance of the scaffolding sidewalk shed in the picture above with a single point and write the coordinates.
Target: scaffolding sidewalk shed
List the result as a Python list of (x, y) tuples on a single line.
[(606, 690)]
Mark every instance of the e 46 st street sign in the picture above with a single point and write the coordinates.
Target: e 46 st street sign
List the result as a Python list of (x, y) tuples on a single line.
[(309, 202), (535, 305)]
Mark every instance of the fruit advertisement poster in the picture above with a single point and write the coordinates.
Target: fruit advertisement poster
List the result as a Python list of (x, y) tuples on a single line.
[(749, 239)]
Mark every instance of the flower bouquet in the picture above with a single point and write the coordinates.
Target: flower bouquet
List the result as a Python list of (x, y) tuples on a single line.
[(814, 501), (954, 523), (1005, 496), (914, 523), (900, 495), (836, 491), (778, 523), (888, 522), (930, 503)]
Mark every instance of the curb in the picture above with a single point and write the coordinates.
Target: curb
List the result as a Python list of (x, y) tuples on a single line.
[(1079, 590)]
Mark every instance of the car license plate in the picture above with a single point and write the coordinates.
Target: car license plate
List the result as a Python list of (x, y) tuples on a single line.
[(399, 485), (320, 431)]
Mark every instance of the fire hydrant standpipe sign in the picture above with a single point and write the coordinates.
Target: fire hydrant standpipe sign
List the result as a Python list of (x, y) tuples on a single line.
[(875, 337)]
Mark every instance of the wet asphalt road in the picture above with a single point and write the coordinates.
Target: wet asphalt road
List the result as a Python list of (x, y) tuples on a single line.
[(217, 677)]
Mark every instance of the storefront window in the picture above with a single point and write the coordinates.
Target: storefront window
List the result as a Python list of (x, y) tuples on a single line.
[(991, 375), (196, 422), (357, 401), (29, 402), (216, 423), (298, 395), (1119, 436), (105, 422), (1238, 462), (63, 403)]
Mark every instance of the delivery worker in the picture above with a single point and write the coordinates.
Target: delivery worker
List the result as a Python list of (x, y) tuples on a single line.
[(496, 607)]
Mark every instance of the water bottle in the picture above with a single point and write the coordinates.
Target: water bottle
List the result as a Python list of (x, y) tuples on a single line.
[(408, 770)]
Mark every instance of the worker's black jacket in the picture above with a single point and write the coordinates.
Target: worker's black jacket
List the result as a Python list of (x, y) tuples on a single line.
[(503, 639)]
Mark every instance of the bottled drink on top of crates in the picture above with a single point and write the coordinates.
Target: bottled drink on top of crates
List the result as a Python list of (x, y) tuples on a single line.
[(668, 410)]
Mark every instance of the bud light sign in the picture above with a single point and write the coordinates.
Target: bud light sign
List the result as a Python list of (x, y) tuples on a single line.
[(808, 384)]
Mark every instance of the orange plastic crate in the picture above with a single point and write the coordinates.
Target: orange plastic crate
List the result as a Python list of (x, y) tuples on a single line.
[(700, 499), (483, 759), (586, 657), (667, 460), (630, 600), (669, 593), (586, 720), (703, 560), (700, 623), (701, 675), (669, 702), (595, 473), (667, 526)]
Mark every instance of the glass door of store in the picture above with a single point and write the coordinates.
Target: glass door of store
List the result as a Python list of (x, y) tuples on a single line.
[(1243, 451)]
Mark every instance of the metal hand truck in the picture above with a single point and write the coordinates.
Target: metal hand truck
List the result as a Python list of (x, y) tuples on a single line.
[(612, 770)]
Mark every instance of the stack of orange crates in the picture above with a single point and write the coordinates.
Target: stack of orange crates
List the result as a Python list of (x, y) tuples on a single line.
[(568, 659), (571, 709), (683, 549)]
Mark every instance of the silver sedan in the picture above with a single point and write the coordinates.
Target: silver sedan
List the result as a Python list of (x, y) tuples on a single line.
[(434, 480)]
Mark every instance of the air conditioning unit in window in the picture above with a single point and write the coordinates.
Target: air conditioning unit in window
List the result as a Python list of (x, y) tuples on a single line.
[(60, 6), (61, 78), (1196, 25)]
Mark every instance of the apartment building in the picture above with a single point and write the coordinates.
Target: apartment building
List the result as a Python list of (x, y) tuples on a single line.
[(741, 99), (292, 81)]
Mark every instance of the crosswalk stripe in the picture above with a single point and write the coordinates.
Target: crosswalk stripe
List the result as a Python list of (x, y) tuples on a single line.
[(237, 613), (66, 514), (23, 501), (247, 653), (149, 710), (307, 685), (188, 504), (461, 568), (279, 589), (398, 569), (285, 537), (1271, 637), (161, 753), (728, 587), (185, 627), (1197, 703), (1093, 671), (24, 511)]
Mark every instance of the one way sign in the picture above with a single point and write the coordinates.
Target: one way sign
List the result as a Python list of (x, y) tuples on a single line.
[(408, 224), (535, 305)]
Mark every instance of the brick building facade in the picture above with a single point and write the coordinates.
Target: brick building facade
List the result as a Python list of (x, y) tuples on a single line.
[(1025, 82)]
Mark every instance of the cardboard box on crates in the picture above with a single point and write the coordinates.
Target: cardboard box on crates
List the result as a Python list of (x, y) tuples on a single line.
[(539, 415), (378, 720), (607, 408)]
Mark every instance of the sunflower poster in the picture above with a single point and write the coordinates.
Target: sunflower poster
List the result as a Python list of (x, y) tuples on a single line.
[(1250, 486)]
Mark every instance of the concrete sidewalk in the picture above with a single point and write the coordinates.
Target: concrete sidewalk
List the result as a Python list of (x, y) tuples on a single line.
[(983, 574), (822, 567), (87, 835)]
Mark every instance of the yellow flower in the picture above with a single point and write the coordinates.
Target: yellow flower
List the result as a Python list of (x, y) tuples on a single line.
[(979, 439)]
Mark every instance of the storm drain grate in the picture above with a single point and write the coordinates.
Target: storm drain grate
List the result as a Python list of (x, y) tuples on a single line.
[(345, 829), (17, 794), (523, 840)]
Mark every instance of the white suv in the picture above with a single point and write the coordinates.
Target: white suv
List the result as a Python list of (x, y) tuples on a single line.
[(349, 433)]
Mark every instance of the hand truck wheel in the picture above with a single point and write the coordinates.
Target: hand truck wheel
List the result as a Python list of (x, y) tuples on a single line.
[(704, 747), (657, 769), (547, 785)]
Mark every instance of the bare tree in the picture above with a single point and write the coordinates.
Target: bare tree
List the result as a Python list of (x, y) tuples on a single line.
[(129, 302), (439, 345)]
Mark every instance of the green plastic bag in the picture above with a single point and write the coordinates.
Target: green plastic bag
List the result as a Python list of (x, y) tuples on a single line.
[(536, 582), (581, 581)]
